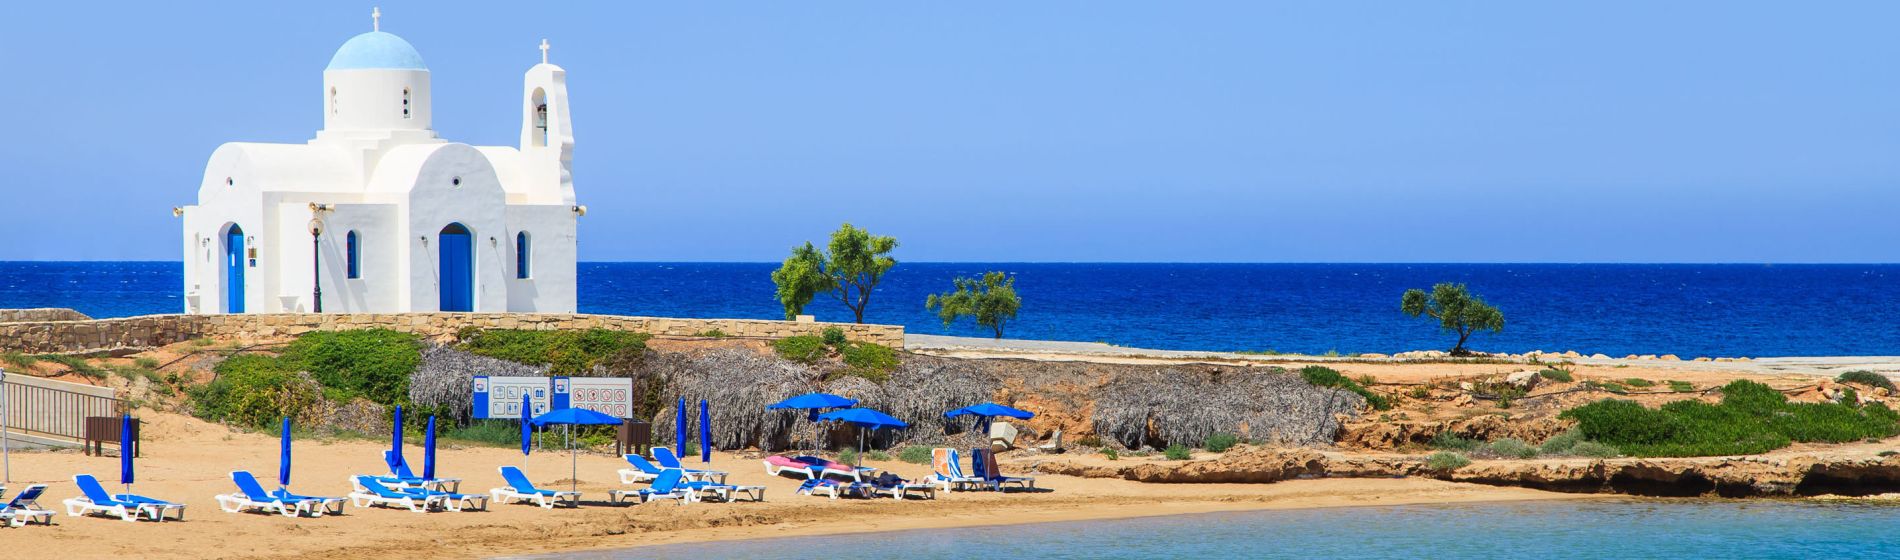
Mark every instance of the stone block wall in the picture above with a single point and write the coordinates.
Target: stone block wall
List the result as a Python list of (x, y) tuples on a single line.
[(41, 314), (92, 335)]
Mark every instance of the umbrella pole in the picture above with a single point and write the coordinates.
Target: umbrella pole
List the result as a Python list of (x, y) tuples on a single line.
[(573, 463)]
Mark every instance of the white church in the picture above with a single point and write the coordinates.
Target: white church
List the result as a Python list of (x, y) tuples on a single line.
[(379, 214)]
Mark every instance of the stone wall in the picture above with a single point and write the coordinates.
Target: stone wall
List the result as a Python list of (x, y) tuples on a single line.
[(41, 314), (48, 337)]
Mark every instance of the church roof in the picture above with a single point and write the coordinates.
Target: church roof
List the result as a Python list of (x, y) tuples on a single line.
[(376, 50)]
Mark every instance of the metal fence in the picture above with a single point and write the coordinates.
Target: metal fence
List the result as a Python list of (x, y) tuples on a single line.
[(54, 413)]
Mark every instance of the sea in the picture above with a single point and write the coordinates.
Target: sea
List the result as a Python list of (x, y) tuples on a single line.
[(1690, 310), (1555, 529)]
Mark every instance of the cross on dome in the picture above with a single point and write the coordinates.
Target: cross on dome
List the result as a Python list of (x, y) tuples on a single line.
[(376, 18), (544, 51)]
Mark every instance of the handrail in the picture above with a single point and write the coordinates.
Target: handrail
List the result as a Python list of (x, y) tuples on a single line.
[(51, 412)]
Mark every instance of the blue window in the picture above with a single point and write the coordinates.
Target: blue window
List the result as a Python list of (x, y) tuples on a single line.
[(352, 257), (521, 255)]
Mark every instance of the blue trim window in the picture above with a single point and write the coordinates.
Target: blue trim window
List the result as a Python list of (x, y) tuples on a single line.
[(353, 257), (521, 255)]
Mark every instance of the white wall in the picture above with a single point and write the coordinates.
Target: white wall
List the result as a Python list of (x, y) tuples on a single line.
[(550, 287), (477, 203), (371, 99)]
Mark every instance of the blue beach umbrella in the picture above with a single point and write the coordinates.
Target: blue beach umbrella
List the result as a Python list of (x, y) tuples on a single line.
[(125, 451), (679, 429), (863, 418), (428, 451), (813, 402), (705, 432), (574, 417), (988, 411), (395, 440), (283, 457), (527, 423)]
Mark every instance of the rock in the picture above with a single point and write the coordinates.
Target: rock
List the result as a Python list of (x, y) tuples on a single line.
[(1646, 357), (1463, 401), (1467, 385), (1630, 357), (1599, 357), (1526, 379), (1670, 358), (1373, 355), (1572, 354), (1702, 358)]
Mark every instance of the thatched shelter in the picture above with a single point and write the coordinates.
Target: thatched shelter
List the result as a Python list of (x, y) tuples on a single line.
[(1186, 404), (446, 374)]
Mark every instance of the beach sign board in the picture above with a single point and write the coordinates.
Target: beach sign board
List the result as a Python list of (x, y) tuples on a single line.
[(612, 396), (500, 397)]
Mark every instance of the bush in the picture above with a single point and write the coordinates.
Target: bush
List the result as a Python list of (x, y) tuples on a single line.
[(1561, 444), (371, 363), (146, 363), (75, 364), (493, 433), (565, 352), (801, 349), (1558, 375), (848, 455), (1446, 461), (1593, 449), (915, 454), (877, 455), (869, 360), (1322, 376), (1454, 442), (1111, 453), (1638, 382), (1512, 448), (832, 336), (1089, 441), (1751, 418), (1177, 452), (1867, 378), (1681, 386), (254, 391), (19, 360), (714, 333), (1220, 442)]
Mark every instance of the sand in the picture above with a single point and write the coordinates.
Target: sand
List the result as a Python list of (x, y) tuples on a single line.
[(188, 460)]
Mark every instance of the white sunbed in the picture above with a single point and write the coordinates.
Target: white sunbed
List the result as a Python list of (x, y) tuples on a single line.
[(25, 507), (371, 492), (947, 471), (128, 507), (665, 486), (252, 496), (519, 488)]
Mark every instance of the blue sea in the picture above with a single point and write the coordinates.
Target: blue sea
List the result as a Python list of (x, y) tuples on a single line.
[(1616, 309), (1570, 530)]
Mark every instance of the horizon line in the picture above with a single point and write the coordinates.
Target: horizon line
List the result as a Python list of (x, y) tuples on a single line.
[(1566, 263)]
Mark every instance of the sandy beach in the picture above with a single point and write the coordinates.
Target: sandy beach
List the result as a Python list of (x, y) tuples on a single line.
[(187, 460)]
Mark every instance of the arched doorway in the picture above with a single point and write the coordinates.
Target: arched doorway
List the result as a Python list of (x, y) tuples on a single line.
[(457, 248), (234, 269)]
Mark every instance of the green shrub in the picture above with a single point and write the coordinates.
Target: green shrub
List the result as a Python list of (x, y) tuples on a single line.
[(714, 333), (832, 336), (1593, 450), (1681, 386), (1867, 378), (915, 454), (1220, 442), (75, 364), (146, 363), (1446, 461), (1848, 397), (1454, 442), (19, 360), (801, 349), (1111, 453), (1638, 382), (1322, 376), (1089, 441), (1558, 375), (1888, 453), (1751, 418), (1177, 452), (492, 433), (369, 363), (565, 352), (848, 455), (1561, 444), (1511, 448), (1623, 422), (254, 391), (877, 455), (869, 360)]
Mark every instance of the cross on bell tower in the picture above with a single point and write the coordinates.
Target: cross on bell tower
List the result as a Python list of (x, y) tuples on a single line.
[(544, 51), (376, 19)]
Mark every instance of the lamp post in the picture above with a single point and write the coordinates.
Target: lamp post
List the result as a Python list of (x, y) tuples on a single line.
[(316, 265), (6, 440)]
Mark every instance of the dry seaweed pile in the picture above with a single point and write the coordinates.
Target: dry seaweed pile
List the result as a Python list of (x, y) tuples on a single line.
[(1185, 405), (445, 375), (737, 385)]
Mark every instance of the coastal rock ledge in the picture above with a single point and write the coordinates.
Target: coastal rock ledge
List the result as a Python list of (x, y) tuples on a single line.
[(1732, 477)]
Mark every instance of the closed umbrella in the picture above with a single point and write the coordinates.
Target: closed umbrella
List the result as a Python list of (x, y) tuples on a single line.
[(125, 452), (395, 440), (987, 411), (283, 457), (705, 432), (527, 424), (575, 417), (813, 403), (863, 418), (428, 451), (679, 428)]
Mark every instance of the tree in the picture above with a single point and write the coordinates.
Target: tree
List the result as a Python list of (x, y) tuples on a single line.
[(1455, 309), (991, 300), (856, 261)]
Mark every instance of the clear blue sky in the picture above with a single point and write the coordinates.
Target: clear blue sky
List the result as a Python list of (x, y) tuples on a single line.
[(1035, 131)]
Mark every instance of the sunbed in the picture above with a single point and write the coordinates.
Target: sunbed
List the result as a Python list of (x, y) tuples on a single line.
[(897, 488), (778, 465), (519, 488), (95, 499), (667, 485), (947, 471), (370, 491), (724, 492), (824, 466), (983, 461), (319, 504), (252, 496), (399, 474), (826, 486), (667, 459), (642, 471), (25, 507)]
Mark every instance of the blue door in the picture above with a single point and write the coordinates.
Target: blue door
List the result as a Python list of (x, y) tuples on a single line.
[(458, 269), (234, 270)]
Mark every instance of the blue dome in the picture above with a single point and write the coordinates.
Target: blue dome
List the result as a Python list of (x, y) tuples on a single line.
[(376, 50)]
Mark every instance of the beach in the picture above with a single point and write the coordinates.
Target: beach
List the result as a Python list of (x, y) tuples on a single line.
[(187, 460)]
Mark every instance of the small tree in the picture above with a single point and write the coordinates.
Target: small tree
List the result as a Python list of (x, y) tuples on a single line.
[(991, 300), (1455, 309), (856, 262)]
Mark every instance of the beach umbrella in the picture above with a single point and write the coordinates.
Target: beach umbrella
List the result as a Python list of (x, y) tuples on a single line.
[(705, 432), (863, 418), (679, 428), (571, 417), (987, 411), (395, 440), (527, 424), (125, 451), (428, 451), (813, 402), (283, 457)]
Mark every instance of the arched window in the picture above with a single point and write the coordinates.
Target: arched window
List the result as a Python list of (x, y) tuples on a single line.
[(332, 101), (405, 103), (521, 255), (352, 255), (539, 101)]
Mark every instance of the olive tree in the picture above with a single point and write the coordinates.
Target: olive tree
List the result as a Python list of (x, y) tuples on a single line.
[(991, 300), (1455, 309), (848, 269)]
